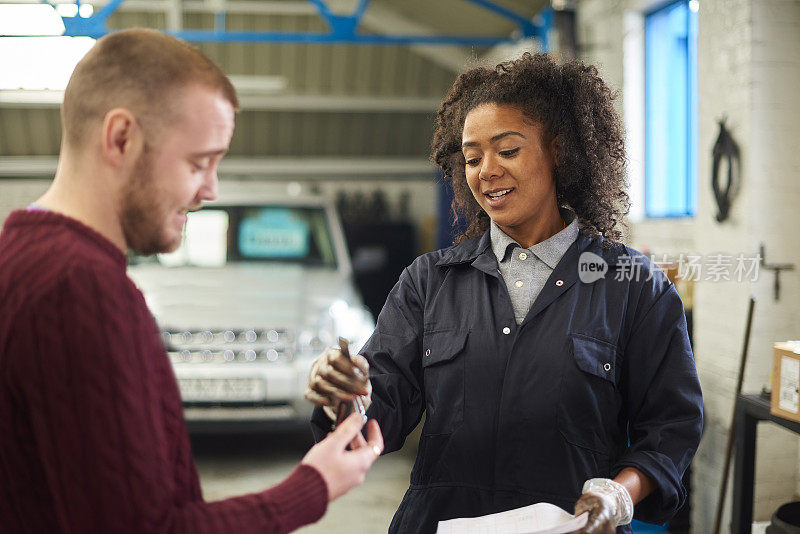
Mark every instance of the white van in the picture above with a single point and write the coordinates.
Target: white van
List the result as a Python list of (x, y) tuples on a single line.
[(259, 287)]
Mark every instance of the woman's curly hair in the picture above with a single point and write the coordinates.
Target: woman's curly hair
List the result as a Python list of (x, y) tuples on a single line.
[(573, 105)]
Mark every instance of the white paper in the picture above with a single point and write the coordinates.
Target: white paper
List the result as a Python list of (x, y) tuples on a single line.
[(540, 518), (790, 379)]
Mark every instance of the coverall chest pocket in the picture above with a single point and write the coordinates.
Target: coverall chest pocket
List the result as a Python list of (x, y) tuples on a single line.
[(589, 405), (443, 369)]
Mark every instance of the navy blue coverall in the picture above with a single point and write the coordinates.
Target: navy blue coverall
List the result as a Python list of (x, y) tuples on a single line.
[(599, 376)]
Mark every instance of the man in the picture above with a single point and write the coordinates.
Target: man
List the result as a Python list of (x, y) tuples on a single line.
[(92, 436)]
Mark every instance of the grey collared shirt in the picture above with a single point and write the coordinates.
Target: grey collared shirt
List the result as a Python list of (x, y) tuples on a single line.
[(526, 270)]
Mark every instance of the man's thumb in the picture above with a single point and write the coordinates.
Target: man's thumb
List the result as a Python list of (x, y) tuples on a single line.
[(349, 428)]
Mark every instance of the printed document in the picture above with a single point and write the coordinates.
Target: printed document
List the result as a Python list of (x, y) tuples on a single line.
[(540, 518)]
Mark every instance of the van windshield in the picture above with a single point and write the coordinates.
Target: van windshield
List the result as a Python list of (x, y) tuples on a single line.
[(218, 235)]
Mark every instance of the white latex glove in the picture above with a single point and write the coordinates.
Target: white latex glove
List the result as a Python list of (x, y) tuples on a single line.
[(617, 501), (334, 378)]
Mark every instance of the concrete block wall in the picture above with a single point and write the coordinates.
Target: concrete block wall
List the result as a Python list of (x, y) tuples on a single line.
[(749, 72), (17, 194), (600, 28), (724, 83), (775, 170)]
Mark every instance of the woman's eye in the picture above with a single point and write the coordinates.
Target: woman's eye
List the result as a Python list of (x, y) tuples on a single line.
[(509, 153), (473, 161)]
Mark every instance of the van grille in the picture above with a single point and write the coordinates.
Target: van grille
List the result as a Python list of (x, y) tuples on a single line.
[(228, 346)]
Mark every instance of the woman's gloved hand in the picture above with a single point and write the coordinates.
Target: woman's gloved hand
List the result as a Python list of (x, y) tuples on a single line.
[(600, 517), (608, 503), (335, 378)]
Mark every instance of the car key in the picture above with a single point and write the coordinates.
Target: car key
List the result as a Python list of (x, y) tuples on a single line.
[(355, 405)]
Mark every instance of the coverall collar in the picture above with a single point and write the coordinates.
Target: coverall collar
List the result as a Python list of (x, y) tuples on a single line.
[(478, 252), (471, 251)]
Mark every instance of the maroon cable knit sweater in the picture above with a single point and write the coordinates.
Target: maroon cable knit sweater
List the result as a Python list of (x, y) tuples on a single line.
[(92, 436)]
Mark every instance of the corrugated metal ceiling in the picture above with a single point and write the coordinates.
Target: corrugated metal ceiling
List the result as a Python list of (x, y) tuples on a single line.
[(404, 83)]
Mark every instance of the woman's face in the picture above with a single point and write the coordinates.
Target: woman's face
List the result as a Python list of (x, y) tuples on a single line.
[(509, 168)]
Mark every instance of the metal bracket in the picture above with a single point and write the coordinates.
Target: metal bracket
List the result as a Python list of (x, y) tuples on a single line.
[(342, 29), (777, 268), (93, 26), (344, 25)]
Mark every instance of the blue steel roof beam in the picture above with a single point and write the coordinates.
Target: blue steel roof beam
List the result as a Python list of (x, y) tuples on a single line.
[(341, 26), (362, 7), (325, 38), (93, 26), (322, 7), (342, 29), (526, 27), (544, 28)]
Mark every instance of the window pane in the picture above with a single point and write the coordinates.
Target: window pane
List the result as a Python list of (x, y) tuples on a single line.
[(670, 100)]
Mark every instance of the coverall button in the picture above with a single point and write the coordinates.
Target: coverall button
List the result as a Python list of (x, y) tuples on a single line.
[(607, 367), (559, 283), (506, 330), (428, 352), (518, 283), (523, 256)]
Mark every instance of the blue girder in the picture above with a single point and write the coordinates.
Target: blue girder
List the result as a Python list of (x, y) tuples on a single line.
[(342, 29)]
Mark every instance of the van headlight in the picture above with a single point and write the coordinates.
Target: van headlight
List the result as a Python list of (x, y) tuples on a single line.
[(311, 342), (354, 323)]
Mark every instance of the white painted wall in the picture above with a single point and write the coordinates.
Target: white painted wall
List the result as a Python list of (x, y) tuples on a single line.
[(775, 217)]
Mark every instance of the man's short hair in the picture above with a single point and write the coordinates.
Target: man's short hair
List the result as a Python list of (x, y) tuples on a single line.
[(139, 69)]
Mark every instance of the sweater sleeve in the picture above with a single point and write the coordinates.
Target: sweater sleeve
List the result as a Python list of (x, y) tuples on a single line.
[(91, 374)]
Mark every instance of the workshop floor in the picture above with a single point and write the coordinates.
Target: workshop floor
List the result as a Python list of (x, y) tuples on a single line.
[(232, 466), (236, 465)]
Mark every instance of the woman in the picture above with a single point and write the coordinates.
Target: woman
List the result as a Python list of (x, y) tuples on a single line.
[(551, 362)]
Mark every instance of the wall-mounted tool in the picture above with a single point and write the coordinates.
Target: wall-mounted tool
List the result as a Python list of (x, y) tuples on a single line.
[(725, 150), (776, 267)]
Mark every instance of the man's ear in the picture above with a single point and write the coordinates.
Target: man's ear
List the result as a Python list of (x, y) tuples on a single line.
[(121, 137)]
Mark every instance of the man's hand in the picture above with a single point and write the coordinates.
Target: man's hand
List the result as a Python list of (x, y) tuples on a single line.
[(601, 516), (341, 469), (335, 378)]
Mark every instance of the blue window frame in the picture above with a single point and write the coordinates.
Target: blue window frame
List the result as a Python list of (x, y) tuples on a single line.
[(671, 111)]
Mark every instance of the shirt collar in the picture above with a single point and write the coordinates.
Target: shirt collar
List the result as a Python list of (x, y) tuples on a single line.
[(474, 249), (33, 206), (502, 244), (550, 251)]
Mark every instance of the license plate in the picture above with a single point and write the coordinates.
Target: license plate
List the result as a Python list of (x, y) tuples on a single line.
[(221, 389)]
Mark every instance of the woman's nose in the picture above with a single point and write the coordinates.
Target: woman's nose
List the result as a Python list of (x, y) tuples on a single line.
[(490, 169)]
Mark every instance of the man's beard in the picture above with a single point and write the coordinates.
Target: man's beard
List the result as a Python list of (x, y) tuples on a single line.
[(143, 217)]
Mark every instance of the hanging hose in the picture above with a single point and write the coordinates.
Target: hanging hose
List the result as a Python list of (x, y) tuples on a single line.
[(725, 148)]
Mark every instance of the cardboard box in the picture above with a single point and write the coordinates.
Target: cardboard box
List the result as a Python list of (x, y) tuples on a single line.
[(785, 380)]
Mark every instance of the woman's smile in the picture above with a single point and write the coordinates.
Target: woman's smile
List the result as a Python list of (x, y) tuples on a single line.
[(498, 198)]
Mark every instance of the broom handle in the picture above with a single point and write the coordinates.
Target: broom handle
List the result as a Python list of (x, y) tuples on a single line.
[(732, 429)]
